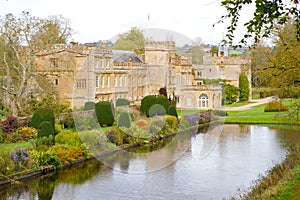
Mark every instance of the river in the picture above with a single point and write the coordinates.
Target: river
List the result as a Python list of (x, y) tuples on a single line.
[(240, 155)]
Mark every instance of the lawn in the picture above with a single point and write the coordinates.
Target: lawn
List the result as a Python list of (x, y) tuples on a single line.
[(257, 115), (14, 146), (239, 104)]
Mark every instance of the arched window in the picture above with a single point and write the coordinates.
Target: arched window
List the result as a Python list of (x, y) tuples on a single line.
[(203, 101)]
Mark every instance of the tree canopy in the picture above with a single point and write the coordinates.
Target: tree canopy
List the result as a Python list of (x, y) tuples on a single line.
[(267, 15), (21, 38), (133, 40)]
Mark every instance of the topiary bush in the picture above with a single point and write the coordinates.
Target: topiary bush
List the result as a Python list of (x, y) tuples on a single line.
[(43, 114), (105, 113), (122, 102), (89, 105), (146, 104), (45, 129), (164, 101), (244, 87), (124, 120), (275, 106), (172, 111)]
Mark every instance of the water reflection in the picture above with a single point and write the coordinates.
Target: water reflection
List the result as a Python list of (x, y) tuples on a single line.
[(241, 153)]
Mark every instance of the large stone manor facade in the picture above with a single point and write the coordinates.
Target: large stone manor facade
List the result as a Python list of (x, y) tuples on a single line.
[(85, 73)]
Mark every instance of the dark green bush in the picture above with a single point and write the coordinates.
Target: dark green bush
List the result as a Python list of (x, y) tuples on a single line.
[(231, 94), (45, 129), (43, 114), (275, 106), (122, 102), (244, 87), (105, 113), (68, 122), (157, 109), (124, 120), (172, 111), (89, 105), (164, 101), (146, 104)]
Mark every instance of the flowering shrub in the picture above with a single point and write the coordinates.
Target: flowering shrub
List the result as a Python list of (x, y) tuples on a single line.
[(198, 118), (47, 158), (9, 124), (67, 153), (20, 158), (27, 132)]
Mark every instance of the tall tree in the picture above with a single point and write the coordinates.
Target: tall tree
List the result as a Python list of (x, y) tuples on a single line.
[(266, 16), (244, 87), (131, 40), (20, 40)]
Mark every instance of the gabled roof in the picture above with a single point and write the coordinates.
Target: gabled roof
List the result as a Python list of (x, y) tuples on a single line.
[(125, 56)]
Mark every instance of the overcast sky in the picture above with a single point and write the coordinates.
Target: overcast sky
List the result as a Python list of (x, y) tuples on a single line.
[(95, 20)]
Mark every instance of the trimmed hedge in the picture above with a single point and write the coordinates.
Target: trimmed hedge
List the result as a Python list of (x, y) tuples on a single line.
[(43, 114), (124, 120), (122, 102), (172, 111), (45, 130), (90, 105), (105, 113), (244, 87), (275, 106), (146, 104)]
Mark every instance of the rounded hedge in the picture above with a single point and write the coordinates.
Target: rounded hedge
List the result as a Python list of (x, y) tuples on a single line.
[(45, 129), (42, 114), (105, 113), (122, 102), (124, 120), (146, 104), (89, 105), (275, 106)]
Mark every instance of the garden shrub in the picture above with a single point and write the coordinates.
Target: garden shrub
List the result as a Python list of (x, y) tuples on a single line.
[(9, 124), (68, 137), (1, 136), (164, 101), (47, 158), (85, 122), (43, 114), (67, 153), (6, 163), (27, 133), (124, 120), (231, 94), (90, 105), (244, 87), (172, 121), (68, 122), (115, 136), (157, 109), (146, 104), (122, 102), (275, 106), (105, 113), (43, 142), (172, 111), (45, 129)]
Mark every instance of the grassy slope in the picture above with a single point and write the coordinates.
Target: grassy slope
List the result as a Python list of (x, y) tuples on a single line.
[(14, 146)]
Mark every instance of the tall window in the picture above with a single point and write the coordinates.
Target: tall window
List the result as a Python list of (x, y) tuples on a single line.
[(97, 81), (199, 73), (222, 69), (203, 101), (102, 81), (108, 81), (56, 82), (116, 81), (125, 81), (81, 83), (120, 81)]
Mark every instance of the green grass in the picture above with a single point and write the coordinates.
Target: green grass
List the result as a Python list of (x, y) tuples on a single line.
[(14, 146), (256, 114)]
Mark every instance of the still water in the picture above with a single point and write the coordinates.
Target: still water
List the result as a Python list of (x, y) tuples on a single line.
[(240, 155)]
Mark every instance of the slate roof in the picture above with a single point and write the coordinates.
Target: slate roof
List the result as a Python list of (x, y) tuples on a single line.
[(125, 56)]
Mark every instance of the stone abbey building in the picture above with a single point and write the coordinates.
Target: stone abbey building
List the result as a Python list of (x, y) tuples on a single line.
[(85, 73)]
